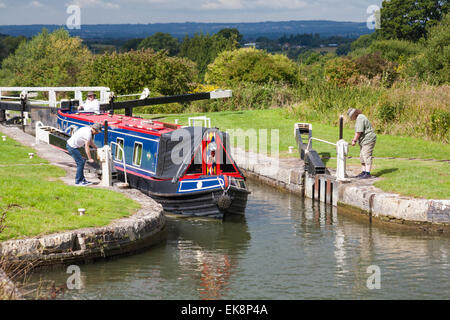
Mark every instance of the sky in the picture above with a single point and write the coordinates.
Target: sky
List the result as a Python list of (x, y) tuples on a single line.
[(13, 12)]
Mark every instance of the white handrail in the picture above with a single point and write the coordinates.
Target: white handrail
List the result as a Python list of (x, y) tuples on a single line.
[(309, 143)]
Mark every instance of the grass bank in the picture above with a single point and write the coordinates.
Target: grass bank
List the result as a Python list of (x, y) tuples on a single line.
[(36, 202), (410, 178)]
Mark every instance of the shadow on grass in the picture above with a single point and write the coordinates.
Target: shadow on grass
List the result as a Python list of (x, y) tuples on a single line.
[(385, 171)]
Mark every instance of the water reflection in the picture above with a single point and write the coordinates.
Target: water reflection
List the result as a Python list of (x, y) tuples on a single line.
[(285, 248), (211, 249)]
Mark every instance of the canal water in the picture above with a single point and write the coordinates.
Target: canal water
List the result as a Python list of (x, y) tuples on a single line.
[(285, 248)]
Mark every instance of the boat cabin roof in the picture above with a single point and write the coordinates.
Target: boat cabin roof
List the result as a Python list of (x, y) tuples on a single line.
[(129, 123)]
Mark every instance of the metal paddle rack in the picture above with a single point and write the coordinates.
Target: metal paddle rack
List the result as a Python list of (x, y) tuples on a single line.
[(320, 185)]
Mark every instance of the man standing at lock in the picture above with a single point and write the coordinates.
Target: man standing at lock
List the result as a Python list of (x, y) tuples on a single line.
[(366, 137), (82, 137)]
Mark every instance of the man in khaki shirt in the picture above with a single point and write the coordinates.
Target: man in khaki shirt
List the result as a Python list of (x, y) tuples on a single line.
[(365, 135)]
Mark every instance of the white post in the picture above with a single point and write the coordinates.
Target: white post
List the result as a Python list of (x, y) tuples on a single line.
[(52, 98), (342, 151), (104, 155)]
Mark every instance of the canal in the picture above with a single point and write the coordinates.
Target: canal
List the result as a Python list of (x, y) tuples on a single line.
[(285, 248)]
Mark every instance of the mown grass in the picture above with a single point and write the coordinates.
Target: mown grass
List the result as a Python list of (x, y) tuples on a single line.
[(411, 178), (36, 202)]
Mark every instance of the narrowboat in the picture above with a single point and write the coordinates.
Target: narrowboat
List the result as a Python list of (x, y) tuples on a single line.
[(188, 170)]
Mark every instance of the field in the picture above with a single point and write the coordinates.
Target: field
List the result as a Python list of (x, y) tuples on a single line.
[(427, 179), (33, 201)]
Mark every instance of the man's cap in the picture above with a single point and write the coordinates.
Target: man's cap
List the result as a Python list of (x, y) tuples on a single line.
[(97, 127), (91, 93), (350, 112)]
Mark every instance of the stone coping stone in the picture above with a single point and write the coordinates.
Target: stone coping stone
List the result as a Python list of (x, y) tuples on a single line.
[(122, 236), (377, 203)]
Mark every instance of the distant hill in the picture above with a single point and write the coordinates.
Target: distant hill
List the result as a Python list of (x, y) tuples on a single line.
[(250, 31)]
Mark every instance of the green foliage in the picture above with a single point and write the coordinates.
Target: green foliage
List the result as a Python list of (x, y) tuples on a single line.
[(440, 124), (409, 19), (433, 63), (131, 44), (131, 71), (203, 49), (363, 42), (388, 111), (343, 49), (251, 65), (338, 71), (8, 45), (161, 41), (53, 59), (373, 64), (395, 50), (230, 33)]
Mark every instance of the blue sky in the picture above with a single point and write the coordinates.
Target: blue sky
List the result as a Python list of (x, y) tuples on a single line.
[(156, 11)]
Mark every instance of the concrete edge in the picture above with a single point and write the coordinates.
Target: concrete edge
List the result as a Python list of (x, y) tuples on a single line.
[(359, 194), (394, 207)]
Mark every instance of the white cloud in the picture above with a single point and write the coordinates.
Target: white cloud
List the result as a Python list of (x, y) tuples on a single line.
[(252, 4), (35, 4), (94, 4), (223, 4), (2, 5)]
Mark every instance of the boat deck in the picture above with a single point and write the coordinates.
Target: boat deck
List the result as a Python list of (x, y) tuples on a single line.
[(127, 123)]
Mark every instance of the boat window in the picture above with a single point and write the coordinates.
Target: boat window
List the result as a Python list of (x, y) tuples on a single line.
[(119, 152), (137, 154)]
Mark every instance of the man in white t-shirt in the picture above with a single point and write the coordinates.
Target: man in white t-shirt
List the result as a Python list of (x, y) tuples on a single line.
[(82, 137), (91, 104)]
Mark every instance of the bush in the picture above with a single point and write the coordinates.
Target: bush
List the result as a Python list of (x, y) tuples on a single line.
[(433, 64), (47, 60), (395, 50), (130, 72), (251, 65), (440, 123), (338, 71)]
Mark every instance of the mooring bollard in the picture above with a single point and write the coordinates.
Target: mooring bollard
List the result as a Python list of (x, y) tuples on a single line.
[(4, 138), (81, 211), (31, 155), (290, 149)]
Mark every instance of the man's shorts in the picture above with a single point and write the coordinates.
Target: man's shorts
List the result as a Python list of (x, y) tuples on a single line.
[(366, 153)]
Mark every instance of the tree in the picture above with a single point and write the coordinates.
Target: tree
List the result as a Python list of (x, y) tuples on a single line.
[(161, 41), (48, 59), (204, 48), (8, 45), (132, 71), (253, 66), (230, 33), (131, 44), (433, 62), (409, 19)]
